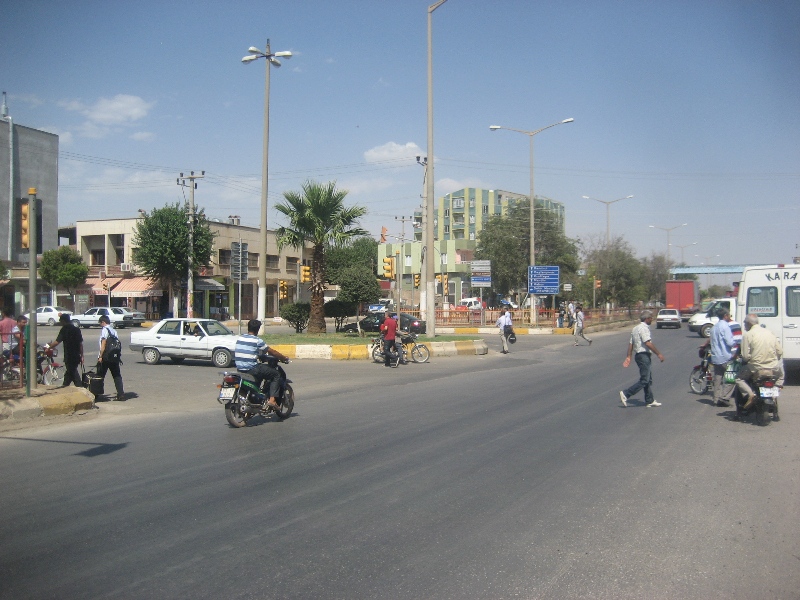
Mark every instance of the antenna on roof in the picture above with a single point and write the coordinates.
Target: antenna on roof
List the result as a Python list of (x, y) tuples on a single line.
[(5, 106)]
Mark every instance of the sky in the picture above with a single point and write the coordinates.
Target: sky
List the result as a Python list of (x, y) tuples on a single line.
[(691, 107)]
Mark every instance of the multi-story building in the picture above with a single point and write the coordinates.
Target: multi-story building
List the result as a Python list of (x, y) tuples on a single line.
[(463, 214), (107, 247)]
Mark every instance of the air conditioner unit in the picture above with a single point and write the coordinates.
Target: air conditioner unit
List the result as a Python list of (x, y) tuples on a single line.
[(125, 267)]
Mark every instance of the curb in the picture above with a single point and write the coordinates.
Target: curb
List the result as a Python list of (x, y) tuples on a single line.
[(494, 330), (45, 403), (345, 352)]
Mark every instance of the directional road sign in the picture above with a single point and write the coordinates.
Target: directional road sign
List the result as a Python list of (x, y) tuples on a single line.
[(543, 280)]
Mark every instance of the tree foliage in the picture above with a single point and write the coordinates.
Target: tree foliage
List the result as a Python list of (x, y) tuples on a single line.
[(506, 242), (621, 273), (317, 216), (339, 311), (63, 267), (296, 314), (358, 285), (360, 252), (162, 245), (655, 271)]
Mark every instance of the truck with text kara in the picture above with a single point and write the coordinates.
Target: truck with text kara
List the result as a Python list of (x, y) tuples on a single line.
[(684, 296)]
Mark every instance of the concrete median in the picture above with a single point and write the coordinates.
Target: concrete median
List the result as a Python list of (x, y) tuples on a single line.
[(43, 402)]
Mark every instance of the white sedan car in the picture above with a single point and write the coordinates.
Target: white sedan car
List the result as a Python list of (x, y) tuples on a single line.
[(48, 315), (186, 338)]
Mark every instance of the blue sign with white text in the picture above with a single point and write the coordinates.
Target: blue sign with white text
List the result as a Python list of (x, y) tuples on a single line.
[(544, 280)]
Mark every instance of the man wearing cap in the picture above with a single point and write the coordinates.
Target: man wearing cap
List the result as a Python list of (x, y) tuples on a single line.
[(72, 338), (641, 347)]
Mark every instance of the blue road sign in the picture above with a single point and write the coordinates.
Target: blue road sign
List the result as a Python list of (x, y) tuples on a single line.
[(543, 280)]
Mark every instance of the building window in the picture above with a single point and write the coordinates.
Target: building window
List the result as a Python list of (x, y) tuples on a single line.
[(446, 212), (458, 203), (447, 228), (472, 235), (472, 202), (485, 209), (472, 219), (224, 257), (98, 257), (291, 264), (252, 260), (444, 258), (408, 260)]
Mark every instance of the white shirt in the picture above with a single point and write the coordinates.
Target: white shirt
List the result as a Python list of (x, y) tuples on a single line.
[(503, 320)]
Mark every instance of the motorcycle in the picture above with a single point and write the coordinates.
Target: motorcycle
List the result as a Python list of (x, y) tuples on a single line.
[(765, 387), (702, 374), (48, 371), (243, 400)]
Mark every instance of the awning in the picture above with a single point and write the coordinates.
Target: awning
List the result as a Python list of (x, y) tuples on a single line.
[(205, 284), (136, 287), (96, 284)]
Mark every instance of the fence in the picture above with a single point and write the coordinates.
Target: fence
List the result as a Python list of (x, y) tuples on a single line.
[(520, 317)]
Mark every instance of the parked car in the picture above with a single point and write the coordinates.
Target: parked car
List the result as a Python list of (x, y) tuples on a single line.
[(668, 317), (206, 339), (48, 315), (372, 323), (119, 317)]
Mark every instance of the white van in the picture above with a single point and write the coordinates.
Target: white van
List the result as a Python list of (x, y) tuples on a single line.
[(702, 322), (773, 293)]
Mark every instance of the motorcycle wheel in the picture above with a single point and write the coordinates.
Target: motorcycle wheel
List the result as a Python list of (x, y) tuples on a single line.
[(377, 354), (697, 381), (233, 413), (420, 353), (760, 410), (287, 406)]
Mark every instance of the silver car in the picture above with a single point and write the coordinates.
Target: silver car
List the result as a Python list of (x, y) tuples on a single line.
[(668, 317), (179, 339)]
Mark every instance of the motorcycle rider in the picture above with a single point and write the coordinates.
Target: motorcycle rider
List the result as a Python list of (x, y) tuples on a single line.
[(249, 348), (726, 335), (760, 350), (389, 330)]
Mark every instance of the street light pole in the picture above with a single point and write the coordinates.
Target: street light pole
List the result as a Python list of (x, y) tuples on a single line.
[(430, 280), (271, 59), (669, 231), (608, 203), (682, 247), (530, 134), (190, 275)]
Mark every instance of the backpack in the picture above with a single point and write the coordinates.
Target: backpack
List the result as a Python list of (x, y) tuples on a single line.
[(113, 351)]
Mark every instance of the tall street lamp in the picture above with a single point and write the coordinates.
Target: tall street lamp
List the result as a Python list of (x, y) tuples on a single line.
[(682, 247), (668, 230), (429, 270), (271, 59), (530, 134), (607, 203)]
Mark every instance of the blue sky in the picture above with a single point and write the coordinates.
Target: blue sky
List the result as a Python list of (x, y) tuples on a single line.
[(692, 107)]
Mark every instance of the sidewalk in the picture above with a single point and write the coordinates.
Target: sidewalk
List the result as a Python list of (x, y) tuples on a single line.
[(43, 402)]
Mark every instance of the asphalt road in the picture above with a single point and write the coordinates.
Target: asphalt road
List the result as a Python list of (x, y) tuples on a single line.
[(514, 476)]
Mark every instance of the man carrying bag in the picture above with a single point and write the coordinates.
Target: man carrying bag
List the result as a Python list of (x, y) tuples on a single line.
[(110, 356)]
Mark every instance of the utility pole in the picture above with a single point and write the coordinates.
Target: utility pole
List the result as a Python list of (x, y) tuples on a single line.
[(190, 278), (399, 267)]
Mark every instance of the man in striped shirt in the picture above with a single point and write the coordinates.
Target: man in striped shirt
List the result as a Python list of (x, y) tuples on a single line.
[(248, 348)]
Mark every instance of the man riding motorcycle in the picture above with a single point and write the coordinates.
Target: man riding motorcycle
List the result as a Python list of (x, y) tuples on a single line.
[(249, 348), (760, 350)]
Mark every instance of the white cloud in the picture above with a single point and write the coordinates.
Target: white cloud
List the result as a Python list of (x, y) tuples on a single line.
[(31, 100), (393, 151), (120, 109), (143, 136)]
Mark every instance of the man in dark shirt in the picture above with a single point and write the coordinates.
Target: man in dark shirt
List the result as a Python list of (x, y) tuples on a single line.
[(389, 330), (72, 338)]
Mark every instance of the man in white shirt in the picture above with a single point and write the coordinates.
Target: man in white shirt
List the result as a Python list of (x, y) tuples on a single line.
[(641, 347), (506, 328)]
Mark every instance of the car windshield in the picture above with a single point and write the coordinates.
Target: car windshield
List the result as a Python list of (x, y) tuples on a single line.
[(60, 309), (215, 328)]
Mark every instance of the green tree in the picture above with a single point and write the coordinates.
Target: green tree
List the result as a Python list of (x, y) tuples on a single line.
[(358, 285), (3, 270), (621, 273), (162, 249), (506, 242), (63, 267), (318, 216), (359, 252), (296, 314), (655, 271), (339, 310)]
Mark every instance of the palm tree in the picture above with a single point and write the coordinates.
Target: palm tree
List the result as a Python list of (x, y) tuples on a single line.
[(318, 216)]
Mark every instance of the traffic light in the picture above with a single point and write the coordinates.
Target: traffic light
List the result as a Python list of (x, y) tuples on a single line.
[(388, 267), (305, 274), (444, 283), (597, 283), (24, 224), (283, 290), (416, 280)]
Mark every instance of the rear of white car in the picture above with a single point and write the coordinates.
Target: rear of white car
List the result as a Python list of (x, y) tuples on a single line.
[(668, 317)]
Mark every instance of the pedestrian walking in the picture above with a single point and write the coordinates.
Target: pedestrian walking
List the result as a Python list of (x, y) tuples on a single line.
[(505, 327), (72, 338), (389, 330), (107, 360), (724, 350), (578, 332), (641, 347), (571, 313)]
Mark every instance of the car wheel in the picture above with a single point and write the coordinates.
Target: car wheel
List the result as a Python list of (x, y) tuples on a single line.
[(706, 330), (221, 358), (151, 356), (76, 323), (51, 321)]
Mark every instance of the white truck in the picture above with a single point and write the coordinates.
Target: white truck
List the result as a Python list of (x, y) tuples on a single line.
[(773, 294), (702, 322)]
